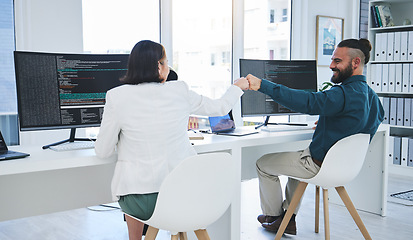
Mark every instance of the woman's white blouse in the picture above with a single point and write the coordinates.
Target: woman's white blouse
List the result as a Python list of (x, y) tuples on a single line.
[(147, 125)]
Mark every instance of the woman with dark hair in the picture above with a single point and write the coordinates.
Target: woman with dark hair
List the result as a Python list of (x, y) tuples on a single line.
[(146, 120)]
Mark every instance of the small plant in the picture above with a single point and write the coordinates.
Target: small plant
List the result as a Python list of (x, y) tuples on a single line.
[(325, 86)]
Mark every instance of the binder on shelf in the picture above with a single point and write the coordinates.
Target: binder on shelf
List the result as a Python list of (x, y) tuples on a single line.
[(397, 46), (404, 151), (372, 80), (398, 77), (407, 111), (393, 111), (410, 155), (403, 45), (391, 150), (377, 47), (411, 112), (400, 112), (386, 107), (389, 74), (406, 78), (396, 150), (376, 81), (383, 48), (390, 47), (409, 50), (411, 78)]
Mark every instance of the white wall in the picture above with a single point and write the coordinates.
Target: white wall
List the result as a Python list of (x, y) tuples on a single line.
[(304, 27), (49, 25)]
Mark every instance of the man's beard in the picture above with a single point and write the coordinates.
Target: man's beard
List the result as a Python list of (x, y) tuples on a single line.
[(342, 75)]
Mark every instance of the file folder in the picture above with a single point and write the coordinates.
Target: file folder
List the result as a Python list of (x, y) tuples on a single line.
[(411, 111), (383, 49), (403, 45), (397, 46), (393, 111), (400, 112), (404, 151), (411, 78), (390, 47), (381, 83), (389, 75), (386, 107), (406, 78), (399, 79), (391, 150), (377, 80), (397, 150), (407, 111), (410, 45), (410, 156), (372, 80), (377, 47)]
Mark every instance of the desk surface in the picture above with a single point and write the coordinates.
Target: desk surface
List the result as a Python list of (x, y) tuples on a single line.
[(46, 160), (59, 181)]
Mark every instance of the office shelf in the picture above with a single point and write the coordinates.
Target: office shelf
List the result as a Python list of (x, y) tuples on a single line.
[(400, 11)]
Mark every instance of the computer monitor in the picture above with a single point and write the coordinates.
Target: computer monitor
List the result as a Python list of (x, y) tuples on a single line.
[(61, 90), (297, 74)]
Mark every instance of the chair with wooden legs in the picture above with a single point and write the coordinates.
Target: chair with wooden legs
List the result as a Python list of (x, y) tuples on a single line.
[(342, 164), (194, 195)]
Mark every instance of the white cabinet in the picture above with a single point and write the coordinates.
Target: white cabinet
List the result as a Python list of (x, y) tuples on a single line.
[(390, 74)]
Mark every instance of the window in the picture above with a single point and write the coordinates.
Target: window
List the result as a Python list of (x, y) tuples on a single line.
[(273, 41), (202, 37), (8, 100), (285, 16), (272, 15), (273, 36), (116, 26)]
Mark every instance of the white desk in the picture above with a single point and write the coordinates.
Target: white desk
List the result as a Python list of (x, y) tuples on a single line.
[(49, 181)]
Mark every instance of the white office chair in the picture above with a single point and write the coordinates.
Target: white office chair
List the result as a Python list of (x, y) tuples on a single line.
[(194, 195), (342, 164)]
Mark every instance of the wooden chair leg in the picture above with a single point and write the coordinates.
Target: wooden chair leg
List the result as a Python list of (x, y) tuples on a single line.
[(151, 233), (174, 237), (352, 210), (326, 215), (202, 234), (183, 236), (293, 205), (317, 208)]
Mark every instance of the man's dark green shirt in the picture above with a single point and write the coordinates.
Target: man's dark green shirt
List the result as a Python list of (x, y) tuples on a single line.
[(346, 109)]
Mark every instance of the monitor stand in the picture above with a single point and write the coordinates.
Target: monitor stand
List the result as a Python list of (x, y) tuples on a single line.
[(71, 139), (266, 123)]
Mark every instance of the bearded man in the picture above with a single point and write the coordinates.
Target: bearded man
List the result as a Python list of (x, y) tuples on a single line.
[(349, 107)]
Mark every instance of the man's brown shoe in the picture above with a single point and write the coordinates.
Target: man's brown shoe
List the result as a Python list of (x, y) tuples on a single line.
[(273, 226), (266, 219)]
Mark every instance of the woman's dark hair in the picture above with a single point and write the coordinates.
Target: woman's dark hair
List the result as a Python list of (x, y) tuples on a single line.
[(143, 63), (362, 44)]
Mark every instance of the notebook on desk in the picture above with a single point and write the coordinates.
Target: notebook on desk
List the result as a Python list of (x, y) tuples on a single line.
[(6, 154), (225, 125)]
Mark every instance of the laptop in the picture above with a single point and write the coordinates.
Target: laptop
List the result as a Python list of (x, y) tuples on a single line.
[(225, 125), (5, 154)]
